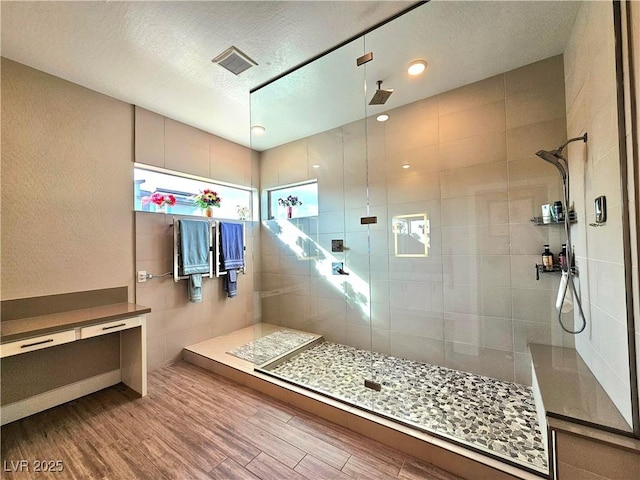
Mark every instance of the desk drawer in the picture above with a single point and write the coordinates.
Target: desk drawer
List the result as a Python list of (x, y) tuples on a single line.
[(109, 327), (37, 343)]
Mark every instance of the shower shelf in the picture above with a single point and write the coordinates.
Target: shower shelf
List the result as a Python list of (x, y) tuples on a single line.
[(538, 222), (556, 269)]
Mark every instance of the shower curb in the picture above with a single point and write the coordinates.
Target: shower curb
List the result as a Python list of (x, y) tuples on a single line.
[(436, 451)]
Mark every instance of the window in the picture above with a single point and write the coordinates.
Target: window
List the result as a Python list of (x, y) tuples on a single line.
[(306, 194), (150, 180)]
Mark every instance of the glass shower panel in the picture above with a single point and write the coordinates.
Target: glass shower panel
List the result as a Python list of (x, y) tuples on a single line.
[(314, 277), (418, 271), (404, 193)]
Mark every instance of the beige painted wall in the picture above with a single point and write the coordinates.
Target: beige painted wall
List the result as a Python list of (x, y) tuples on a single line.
[(473, 303), (595, 170), (67, 193)]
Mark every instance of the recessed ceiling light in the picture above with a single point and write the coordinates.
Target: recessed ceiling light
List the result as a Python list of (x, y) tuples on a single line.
[(406, 165), (315, 165), (417, 67), (382, 118), (258, 129)]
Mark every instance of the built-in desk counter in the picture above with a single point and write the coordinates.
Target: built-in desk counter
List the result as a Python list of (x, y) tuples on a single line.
[(24, 336)]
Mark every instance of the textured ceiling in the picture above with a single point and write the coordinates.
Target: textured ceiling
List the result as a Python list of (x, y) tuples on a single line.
[(158, 54)]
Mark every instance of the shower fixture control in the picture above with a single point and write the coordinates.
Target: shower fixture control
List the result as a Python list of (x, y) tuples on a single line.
[(600, 205), (337, 245), (337, 268)]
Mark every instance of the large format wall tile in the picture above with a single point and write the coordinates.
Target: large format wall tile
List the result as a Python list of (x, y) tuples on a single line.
[(474, 173)]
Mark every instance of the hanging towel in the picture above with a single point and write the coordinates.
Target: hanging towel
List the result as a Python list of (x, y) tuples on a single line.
[(231, 283), (195, 288), (231, 246), (194, 247)]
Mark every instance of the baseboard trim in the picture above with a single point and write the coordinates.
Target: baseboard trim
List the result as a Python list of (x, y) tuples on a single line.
[(38, 403)]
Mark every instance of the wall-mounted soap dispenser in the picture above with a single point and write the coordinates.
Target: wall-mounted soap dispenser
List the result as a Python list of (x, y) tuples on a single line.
[(600, 208)]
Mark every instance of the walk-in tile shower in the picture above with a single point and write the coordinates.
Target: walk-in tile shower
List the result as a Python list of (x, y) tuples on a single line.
[(405, 231)]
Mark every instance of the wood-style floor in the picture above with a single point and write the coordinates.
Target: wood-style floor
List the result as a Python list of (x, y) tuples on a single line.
[(195, 424)]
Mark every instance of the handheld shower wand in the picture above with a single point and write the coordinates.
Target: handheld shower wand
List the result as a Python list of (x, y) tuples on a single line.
[(555, 157)]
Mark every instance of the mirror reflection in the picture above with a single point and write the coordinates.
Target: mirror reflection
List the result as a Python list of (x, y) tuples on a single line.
[(411, 235)]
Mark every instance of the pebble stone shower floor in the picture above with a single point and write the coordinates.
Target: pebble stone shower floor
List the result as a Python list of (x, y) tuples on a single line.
[(489, 414)]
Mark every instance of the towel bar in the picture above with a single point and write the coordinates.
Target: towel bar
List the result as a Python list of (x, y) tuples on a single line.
[(176, 253), (216, 245)]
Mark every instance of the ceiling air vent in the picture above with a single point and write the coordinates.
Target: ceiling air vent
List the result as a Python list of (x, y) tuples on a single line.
[(234, 60)]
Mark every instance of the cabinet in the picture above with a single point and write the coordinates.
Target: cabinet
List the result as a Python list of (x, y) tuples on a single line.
[(22, 337)]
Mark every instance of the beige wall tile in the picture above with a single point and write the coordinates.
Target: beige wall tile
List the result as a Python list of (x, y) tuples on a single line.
[(476, 180), (534, 305), (359, 336), (419, 117), (577, 54), (606, 287), (482, 300), (422, 269), (269, 165), (535, 106), (422, 160), (325, 148), (477, 270), (479, 149), (490, 209), (605, 243), (485, 91), (535, 75), (488, 332), (476, 240), (482, 361), (156, 352), (474, 121), (527, 239), (186, 149), (229, 162), (523, 142), (522, 366), (417, 348), (525, 333), (417, 322), (415, 188), (523, 273), (526, 202), (149, 137)]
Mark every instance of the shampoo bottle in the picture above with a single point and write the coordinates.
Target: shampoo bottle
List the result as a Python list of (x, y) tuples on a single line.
[(547, 259)]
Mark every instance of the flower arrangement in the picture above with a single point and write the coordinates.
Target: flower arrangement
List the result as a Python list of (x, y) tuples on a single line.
[(290, 201), (207, 198), (242, 212), (159, 199)]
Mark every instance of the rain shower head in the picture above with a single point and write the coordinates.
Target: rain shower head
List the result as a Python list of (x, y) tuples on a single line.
[(381, 96)]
